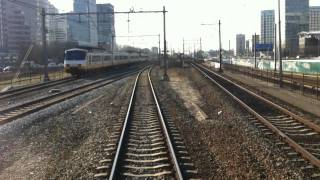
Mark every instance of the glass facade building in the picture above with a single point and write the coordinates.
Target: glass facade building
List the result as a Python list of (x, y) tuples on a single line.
[(297, 20), (82, 29), (267, 26), (241, 44), (314, 22), (106, 30)]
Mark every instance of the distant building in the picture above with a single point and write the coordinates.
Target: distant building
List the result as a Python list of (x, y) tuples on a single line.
[(267, 27), (257, 41), (155, 50), (106, 30), (58, 32), (297, 20), (14, 31), (82, 29), (52, 23), (21, 25), (314, 21), (240, 44), (247, 47), (309, 44)]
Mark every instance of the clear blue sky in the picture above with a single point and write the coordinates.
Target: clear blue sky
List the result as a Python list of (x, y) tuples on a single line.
[(184, 18)]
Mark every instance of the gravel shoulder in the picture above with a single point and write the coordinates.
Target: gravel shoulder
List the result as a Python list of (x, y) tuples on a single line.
[(225, 145), (64, 141)]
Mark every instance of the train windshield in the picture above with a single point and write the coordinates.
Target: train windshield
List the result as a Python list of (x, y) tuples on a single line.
[(75, 55)]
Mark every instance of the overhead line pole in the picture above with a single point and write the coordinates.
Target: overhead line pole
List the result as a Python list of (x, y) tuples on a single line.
[(183, 47), (165, 76), (255, 50), (220, 45), (275, 47), (220, 48), (280, 55), (159, 50), (44, 46)]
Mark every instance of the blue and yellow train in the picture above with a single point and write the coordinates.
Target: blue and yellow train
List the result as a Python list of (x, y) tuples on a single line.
[(80, 61)]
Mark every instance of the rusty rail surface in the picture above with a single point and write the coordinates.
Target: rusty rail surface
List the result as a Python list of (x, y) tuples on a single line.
[(146, 115), (291, 140), (20, 110)]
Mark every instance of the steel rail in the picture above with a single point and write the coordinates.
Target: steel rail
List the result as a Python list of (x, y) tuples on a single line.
[(15, 92), (298, 148), (57, 98), (171, 149), (123, 135), (123, 132), (304, 121), (35, 86)]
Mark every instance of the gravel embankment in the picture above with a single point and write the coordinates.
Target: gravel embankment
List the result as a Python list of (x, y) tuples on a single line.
[(64, 141), (225, 145)]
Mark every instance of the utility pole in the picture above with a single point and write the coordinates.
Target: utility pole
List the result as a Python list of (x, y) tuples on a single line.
[(220, 49), (159, 50), (44, 46), (183, 47), (165, 75), (254, 50), (280, 50), (194, 52), (275, 47), (200, 48), (127, 13), (112, 48)]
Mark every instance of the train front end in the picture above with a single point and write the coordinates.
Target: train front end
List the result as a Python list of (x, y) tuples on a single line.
[(75, 61)]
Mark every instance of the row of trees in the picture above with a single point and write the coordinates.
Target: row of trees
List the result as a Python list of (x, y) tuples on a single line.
[(55, 52)]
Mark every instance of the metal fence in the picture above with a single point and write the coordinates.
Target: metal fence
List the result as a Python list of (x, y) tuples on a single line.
[(303, 82)]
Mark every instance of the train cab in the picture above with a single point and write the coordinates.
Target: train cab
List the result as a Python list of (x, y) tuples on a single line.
[(74, 60)]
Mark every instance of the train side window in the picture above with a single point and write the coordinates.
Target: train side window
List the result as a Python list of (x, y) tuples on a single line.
[(95, 58)]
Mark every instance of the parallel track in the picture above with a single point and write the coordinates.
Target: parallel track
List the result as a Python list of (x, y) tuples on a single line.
[(36, 87), (145, 148), (15, 112), (300, 134)]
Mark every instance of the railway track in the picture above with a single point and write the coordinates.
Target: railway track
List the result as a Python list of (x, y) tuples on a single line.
[(36, 87), (298, 137), (144, 145), (20, 110)]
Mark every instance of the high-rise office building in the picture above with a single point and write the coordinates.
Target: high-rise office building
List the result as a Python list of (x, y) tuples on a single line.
[(257, 38), (240, 44), (51, 23), (267, 26), (106, 30), (247, 46), (21, 24), (297, 20), (15, 33), (82, 29), (58, 31), (314, 21)]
